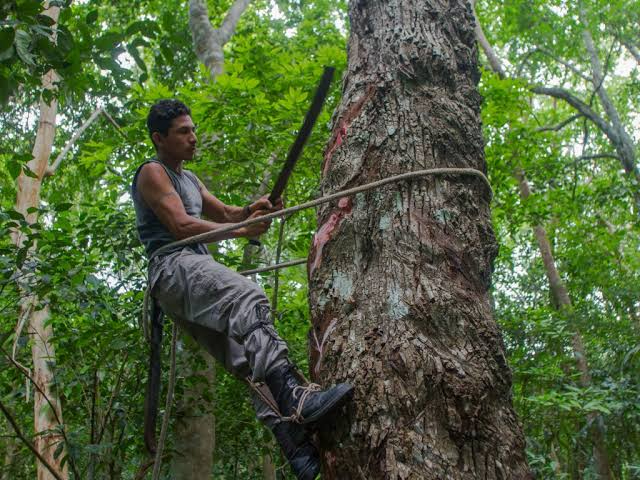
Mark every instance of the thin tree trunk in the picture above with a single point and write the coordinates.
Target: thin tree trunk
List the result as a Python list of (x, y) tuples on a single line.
[(399, 277), (194, 434), (11, 449), (268, 467), (46, 440), (194, 430)]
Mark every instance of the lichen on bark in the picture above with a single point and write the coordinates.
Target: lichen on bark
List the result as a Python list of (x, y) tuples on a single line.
[(415, 335)]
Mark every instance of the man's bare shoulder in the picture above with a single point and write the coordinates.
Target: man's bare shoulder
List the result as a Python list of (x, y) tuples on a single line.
[(152, 173)]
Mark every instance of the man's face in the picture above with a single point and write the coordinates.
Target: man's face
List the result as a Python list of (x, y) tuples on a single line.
[(180, 142)]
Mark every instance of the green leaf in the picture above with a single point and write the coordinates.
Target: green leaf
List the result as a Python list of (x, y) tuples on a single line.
[(28, 172), (62, 207), (28, 8), (108, 41), (7, 54), (7, 35), (14, 168), (133, 51), (65, 39), (45, 20), (22, 43), (91, 17)]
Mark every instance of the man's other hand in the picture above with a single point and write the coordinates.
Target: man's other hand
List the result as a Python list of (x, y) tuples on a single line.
[(263, 203), (257, 229)]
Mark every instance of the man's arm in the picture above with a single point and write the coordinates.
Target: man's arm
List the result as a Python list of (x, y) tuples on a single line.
[(158, 193), (217, 211)]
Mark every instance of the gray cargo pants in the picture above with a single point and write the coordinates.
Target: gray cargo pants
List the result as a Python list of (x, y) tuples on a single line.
[(224, 312)]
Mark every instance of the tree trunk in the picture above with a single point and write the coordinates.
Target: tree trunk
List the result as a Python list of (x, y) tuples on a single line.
[(208, 42), (194, 434), (399, 277), (268, 467), (41, 332), (562, 302), (194, 430)]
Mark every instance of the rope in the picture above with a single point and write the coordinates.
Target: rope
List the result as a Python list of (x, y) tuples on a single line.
[(167, 408), (215, 235), (277, 266)]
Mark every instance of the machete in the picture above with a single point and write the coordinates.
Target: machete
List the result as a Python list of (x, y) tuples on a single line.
[(303, 134)]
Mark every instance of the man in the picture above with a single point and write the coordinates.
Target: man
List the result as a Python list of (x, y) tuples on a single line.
[(225, 313)]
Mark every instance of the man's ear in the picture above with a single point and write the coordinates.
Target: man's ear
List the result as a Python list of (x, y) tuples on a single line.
[(157, 138)]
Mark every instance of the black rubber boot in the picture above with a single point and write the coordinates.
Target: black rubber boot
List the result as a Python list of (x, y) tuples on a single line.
[(307, 404), (299, 451)]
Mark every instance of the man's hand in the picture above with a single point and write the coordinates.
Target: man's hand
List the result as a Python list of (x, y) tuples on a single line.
[(256, 229), (263, 203)]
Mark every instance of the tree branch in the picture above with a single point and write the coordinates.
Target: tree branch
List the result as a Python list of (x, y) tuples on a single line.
[(231, 20), (583, 108), (624, 144), (490, 53), (567, 64), (633, 50), (51, 169), (208, 41), (599, 155), (54, 166), (33, 449), (559, 126), (114, 123)]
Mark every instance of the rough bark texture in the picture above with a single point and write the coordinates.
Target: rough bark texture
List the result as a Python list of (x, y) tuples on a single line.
[(399, 277), (40, 331)]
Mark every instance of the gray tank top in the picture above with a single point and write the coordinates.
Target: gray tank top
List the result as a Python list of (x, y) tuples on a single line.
[(152, 233)]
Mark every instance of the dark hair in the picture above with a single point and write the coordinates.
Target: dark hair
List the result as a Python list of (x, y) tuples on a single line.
[(162, 114)]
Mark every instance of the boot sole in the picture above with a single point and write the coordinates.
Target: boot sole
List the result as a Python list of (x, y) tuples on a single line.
[(311, 472), (345, 393)]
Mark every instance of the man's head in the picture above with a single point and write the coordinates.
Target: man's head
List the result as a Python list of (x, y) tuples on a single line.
[(171, 129)]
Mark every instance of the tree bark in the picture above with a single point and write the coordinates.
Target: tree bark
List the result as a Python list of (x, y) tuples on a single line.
[(11, 449), (399, 277), (633, 50), (46, 439)]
